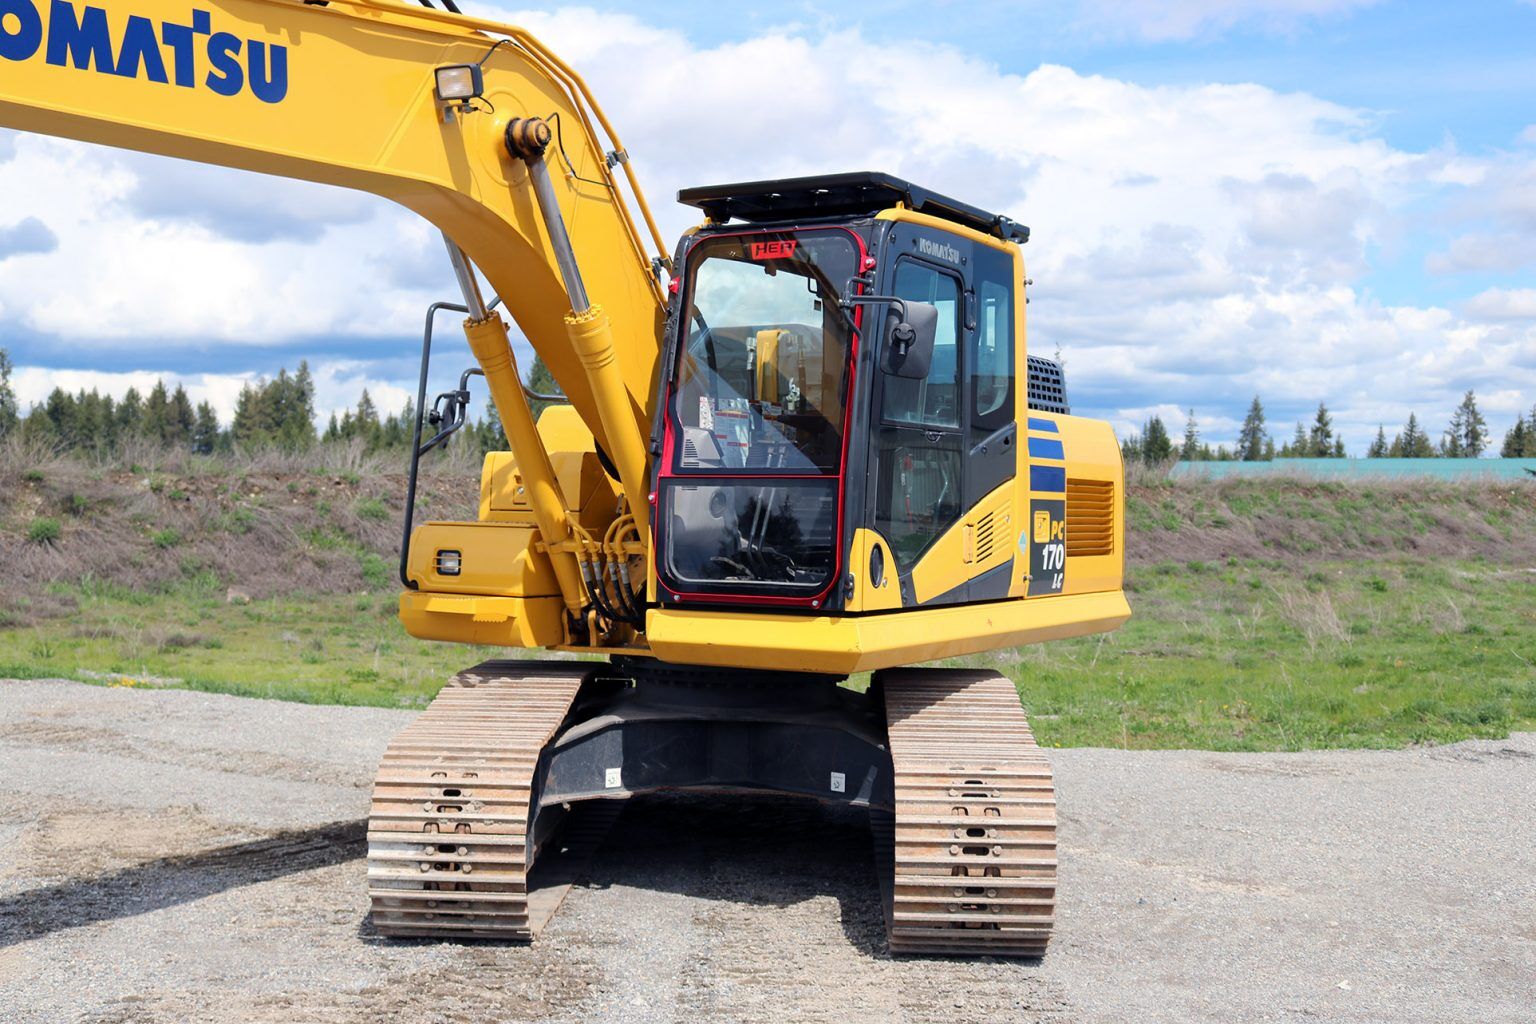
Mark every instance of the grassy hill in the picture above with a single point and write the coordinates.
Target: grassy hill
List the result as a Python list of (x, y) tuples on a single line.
[(1269, 613)]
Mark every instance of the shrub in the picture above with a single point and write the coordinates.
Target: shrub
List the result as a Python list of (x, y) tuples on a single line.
[(165, 539), (44, 531), (372, 508)]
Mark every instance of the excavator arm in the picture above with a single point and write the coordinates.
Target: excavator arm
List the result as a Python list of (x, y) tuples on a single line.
[(344, 92)]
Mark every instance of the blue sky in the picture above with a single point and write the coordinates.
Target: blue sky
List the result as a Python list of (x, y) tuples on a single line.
[(1307, 199)]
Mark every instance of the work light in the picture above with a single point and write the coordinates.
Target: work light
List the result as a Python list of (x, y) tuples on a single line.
[(460, 83), (449, 563)]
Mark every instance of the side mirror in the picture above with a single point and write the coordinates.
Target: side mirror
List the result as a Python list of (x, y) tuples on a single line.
[(908, 350)]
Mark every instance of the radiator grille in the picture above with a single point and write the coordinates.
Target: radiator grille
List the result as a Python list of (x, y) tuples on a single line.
[(1047, 386), (1090, 517)]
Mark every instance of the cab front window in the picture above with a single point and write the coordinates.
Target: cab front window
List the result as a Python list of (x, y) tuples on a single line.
[(763, 369)]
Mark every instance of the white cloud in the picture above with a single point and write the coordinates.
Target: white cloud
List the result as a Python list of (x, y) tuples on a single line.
[(1502, 304), (131, 263), (1166, 20)]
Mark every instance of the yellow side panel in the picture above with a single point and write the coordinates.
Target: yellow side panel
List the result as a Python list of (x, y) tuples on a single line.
[(981, 541), (863, 643), (494, 559), (494, 621), (1095, 493)]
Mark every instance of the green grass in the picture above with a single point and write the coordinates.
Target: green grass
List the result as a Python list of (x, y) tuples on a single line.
[(327, 650), (1250, 655), (1235, 655)]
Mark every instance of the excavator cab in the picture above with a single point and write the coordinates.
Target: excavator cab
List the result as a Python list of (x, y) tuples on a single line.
[(844, 428)]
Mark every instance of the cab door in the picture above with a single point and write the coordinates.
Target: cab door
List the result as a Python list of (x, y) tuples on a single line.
[(919, 427), (992, 424)]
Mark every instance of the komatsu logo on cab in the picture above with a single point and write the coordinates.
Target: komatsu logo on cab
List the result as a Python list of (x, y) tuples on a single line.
[(939, 251), (190, 55)]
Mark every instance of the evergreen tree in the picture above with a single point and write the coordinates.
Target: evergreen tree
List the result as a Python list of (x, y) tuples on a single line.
[(38, 427), (1467, 436), (157, 413), (1514, 441), (1298, 447), (205, 430), (1253, 439), (181, 420), (490, 434), (130, 415), (1378, 448), (299, 423), (1190, 450), (398, 429), (280, 412), (1338, 448), (1320, 439), (10, 416), (1269, 449), (1130, 449), (1156, 446), (92, 422), (1413, 442), (365, 421), (60, 410), (247, 428)]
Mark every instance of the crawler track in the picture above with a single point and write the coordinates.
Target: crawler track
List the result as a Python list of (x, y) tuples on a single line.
[(975, 825), (449, 849)]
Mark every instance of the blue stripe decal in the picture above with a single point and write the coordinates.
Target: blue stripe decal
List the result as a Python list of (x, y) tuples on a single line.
[(1045, 426), (1046, 448), (1048, 478)]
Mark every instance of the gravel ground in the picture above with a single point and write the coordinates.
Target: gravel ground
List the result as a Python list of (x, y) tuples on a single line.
[(176, 857)]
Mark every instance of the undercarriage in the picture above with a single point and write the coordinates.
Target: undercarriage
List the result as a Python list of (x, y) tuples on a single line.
[(482, 805)]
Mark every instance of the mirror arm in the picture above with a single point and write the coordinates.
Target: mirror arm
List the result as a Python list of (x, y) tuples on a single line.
[(902, 335)]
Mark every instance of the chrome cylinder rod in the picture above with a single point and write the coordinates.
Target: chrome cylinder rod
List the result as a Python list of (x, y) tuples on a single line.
[(469, 285)]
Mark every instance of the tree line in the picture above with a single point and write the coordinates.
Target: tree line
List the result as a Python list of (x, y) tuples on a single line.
[(1466, 436), (279, 412)]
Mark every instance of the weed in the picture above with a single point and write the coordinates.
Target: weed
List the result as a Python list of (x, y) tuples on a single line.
[(376, 571), (165, 539), (372, 508), (44, 530)]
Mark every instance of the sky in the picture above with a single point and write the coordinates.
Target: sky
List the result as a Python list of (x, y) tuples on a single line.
[(1308, 200)]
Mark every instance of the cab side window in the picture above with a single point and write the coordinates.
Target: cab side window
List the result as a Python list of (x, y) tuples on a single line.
[(935, 400), (991, 363)]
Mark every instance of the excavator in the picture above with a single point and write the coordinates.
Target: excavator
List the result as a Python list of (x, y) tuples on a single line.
[(797, 455)]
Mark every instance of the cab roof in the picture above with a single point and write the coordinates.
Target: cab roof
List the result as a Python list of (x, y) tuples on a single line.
[(855, 194)]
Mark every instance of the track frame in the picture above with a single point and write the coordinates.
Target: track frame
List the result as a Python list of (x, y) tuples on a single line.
[(515, 757)]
